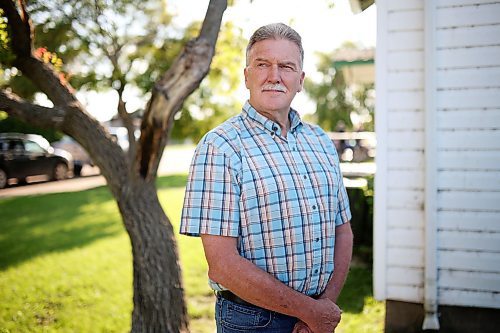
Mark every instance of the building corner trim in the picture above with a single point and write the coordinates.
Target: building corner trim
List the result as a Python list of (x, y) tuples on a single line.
[(431, 320)]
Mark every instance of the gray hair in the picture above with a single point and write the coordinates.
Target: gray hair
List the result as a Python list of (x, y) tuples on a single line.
[(276, 31)]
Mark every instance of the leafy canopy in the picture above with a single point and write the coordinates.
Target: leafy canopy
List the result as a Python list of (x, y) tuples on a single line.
[(125, 45)]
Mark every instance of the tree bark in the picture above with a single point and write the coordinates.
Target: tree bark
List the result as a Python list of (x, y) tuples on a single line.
[(158, 293)]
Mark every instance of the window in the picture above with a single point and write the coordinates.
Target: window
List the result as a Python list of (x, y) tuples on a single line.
[(34, 148), (16, 146)]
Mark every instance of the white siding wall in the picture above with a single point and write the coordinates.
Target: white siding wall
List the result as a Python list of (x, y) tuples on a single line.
[(468, 119), (400, 115), (468, 175)]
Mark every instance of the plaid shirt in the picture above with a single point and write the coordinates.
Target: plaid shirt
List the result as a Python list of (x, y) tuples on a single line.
[(282, 197)]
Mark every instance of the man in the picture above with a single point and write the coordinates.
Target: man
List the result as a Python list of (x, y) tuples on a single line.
[(265, 194)]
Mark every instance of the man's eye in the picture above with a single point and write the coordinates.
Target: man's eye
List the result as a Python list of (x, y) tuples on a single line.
[(262, 65), (287, 68)]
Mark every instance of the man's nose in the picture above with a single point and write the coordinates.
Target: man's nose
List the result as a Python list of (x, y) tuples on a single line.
[(274, 74)]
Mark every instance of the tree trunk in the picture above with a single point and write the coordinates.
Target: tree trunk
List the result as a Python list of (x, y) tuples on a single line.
[(158, 293)]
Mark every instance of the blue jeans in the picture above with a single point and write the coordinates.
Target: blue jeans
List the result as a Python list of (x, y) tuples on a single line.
[(231, 317)]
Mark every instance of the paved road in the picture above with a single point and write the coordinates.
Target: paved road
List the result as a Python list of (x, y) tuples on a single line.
[(175, 160), (41, 186)]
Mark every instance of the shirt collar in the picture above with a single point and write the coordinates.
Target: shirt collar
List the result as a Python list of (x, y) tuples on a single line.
[(267, 124)]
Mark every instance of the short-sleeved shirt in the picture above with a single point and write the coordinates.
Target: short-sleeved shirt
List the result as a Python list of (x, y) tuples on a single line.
[(282, 197)]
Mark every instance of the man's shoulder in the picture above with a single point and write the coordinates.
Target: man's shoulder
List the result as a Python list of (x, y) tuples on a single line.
[(225, 136), (314, 129), (320, 136)]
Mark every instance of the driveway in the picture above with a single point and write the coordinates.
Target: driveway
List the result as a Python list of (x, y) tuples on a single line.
[(175, 160)]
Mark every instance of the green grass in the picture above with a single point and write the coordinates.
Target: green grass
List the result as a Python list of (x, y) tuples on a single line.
[(65, 266)]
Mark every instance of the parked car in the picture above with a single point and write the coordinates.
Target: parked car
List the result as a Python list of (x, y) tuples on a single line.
[(80, 155), (354, 147), (25, 155)]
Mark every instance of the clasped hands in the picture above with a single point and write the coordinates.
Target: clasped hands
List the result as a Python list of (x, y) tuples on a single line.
[(323, 318)]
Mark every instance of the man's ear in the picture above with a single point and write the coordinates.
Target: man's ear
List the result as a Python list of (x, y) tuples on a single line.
[(302, 76), (245, 73)]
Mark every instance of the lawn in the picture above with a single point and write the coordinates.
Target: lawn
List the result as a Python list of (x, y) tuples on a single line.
[(65, 266)]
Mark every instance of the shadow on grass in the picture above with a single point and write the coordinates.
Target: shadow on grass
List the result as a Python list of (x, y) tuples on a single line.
[(357, 287), (36, 225)]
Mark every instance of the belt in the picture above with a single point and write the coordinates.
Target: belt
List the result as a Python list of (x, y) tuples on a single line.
[(226, 294)]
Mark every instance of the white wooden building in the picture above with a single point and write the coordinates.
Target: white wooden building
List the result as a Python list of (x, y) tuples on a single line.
[(437, 185)]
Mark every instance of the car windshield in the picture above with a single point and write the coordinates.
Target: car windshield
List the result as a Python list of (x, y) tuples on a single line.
[(34, 147)]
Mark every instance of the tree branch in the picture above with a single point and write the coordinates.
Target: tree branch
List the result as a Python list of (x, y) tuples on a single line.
[(47, 80), (68, 114), (170, 92), (212, 22), (86, 130), (57, 89), (22, 35), (31, 113)]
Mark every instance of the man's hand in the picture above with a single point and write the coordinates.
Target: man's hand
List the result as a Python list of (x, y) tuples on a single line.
[(324, 318)]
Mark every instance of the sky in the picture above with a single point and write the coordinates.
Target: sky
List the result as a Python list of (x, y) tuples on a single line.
[(323, 29)]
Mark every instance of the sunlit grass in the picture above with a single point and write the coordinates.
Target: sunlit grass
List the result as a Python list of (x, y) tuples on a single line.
[(66, 266)]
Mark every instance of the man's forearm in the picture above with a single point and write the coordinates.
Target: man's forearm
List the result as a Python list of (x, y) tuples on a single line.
[(342, 259), (258, 287)]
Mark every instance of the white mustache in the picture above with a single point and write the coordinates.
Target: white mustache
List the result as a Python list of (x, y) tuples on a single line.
[(275, 86)]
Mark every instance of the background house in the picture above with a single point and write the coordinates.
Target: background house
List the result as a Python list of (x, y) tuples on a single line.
[(357, 66), (437, 185)]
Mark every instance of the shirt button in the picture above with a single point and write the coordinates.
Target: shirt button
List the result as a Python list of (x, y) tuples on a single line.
[(315, 271), (305, 176), (316, 240), (275, 128), (314, 207), (294, 149)]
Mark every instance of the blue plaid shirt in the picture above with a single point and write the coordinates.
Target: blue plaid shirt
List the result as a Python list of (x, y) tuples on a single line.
[(281, 196)]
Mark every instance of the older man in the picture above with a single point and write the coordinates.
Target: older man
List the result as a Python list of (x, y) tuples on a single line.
[(265, 193)]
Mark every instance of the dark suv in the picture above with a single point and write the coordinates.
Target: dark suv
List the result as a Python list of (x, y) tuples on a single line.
[(25, 155)]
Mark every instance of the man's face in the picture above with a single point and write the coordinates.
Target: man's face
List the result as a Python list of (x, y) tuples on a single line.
[(273, 75)]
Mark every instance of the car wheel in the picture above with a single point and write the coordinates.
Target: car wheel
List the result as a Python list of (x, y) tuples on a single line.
[(60, 172), (3, 179)]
